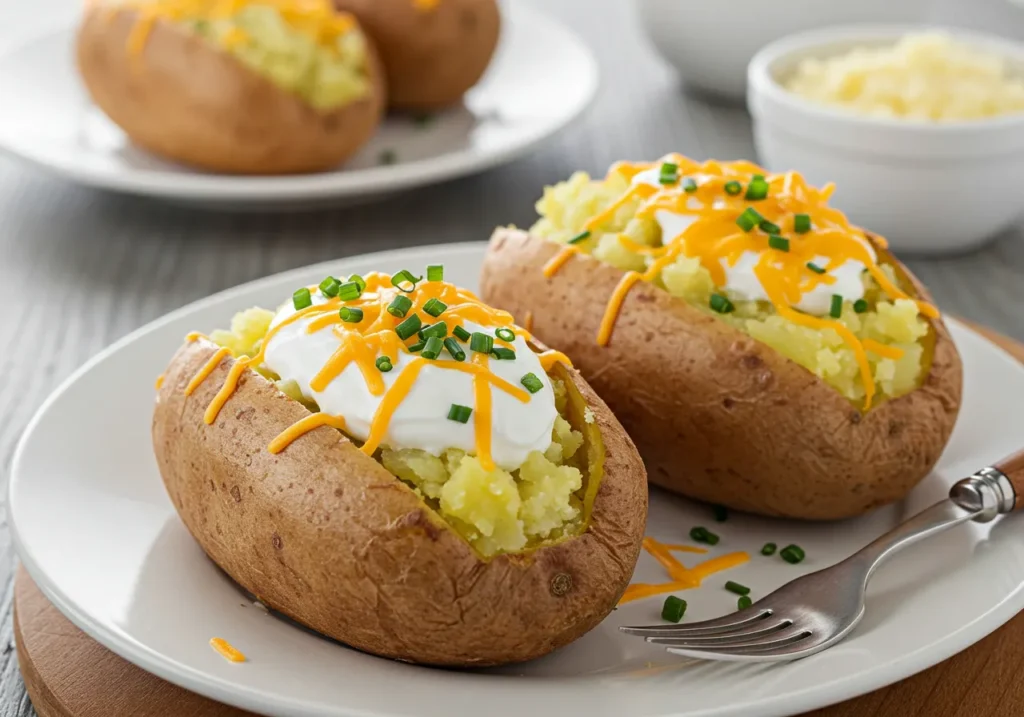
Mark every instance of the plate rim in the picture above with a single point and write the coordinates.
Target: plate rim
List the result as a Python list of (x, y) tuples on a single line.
[(211, 188), (809, 698)]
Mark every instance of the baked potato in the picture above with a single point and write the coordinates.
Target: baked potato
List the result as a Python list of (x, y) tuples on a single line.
[(763, 353), (314, 456), (244, 87), (433, 51)]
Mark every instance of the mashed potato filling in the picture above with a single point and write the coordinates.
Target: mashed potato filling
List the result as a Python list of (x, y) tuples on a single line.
[(567, 206), (496, 511)]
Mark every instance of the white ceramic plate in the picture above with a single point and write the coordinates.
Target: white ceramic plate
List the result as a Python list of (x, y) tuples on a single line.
[(98, 534), (542, 77)]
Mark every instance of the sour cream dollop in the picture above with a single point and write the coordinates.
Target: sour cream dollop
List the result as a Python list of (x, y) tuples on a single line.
[(421, 419)]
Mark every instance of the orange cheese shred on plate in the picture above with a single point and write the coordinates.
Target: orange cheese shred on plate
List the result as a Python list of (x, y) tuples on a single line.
[(680, 576), (226, 651), (739, 207)]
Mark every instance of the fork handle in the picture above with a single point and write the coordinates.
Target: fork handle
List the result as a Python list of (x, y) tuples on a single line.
[(1013, 468), (994, 490)]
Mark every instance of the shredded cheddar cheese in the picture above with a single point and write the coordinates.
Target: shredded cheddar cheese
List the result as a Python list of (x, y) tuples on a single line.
[(681, 577), (226, 650)]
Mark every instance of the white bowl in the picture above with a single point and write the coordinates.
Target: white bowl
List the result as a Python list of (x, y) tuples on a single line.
[(928, 187), (710, 42)]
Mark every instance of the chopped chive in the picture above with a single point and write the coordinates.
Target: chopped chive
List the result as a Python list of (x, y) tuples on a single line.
[(459, 413), (689, 185), (301, 298), (749, 219), (400, 306), (737, 588), (698, 534), (434, 307), (505, 334), (757, 189), (408, 327), (792, 554), (669, 167), (461, 333), (418, 346), (579, 237), (815, 268), (836, 309), (710, 538), (403, 279), (801, 223), (504, 354), (779, 243), (721, 304), (860, 306), (757, 177), (435, 272), (673, 609), (531, 383), (329, 286), (356, 279), (481, 343), (438, 330), (769, 549), (350, 315), (387, 156), (454, 350), (769, 227), (349, 291), (721, 513), (732, 188), (383, 364), (669, 173), (432, 349), (744, 602)]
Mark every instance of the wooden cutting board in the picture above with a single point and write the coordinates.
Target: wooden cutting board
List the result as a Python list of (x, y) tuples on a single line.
[(69, 675)]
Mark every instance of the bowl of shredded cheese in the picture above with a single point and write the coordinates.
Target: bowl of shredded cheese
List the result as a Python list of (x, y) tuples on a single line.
[(920, 129)]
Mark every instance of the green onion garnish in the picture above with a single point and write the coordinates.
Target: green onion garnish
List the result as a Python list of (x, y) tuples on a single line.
[(769, 227), (815, 268), (383, 364), (689, 186), (301, 299), (453, 348), (438, 331), (432, 349), (737, 588), (481, 343), (531, 383), (350, 315), (732, 188), (721, 513), (703, 535), (329, 286), (777, 242), (349, 291), (749, 219), (418, 346), (403, 279), (459, 413), (505, 334), (801, 223), (769, 549), (757, 189), (792, 554), (757, 177), (503, 354), (408, 327), (860, 306), (837, 306), (434, 307), (400, 306), (579, 237), (721, 304), (710, 538), (461, 333), (743, 603), (356, 279), (435, 272), (669, 173), (673, 609)]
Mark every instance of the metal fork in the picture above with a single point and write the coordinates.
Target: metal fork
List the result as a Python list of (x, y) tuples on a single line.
[(814, 612)]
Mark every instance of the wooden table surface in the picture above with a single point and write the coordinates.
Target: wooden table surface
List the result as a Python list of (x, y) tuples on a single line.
[(78, 268)]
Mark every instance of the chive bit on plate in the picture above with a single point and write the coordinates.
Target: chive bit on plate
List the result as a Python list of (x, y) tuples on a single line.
[(769, 549), (792, 554), (737, 588), (700, 534), (744, 602), (673, 609), (720, 512)]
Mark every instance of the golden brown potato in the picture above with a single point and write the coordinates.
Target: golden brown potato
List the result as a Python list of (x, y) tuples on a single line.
[(432, 51), (717, 415), (189, 101), (326, 535)]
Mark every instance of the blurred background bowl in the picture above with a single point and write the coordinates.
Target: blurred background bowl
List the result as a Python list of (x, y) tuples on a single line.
[(710, 43), (929, 187)]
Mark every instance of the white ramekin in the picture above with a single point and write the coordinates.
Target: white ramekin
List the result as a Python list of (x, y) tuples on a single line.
[(928, 187)]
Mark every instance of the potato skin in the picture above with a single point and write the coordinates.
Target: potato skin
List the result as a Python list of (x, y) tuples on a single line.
[(717, 415), (431, 56), (327, 536), (186, 100)]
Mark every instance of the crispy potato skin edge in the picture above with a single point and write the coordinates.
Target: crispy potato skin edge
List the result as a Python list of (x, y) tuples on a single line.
[(185, 100), (717, 415), (327, 536), (431, 57)]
